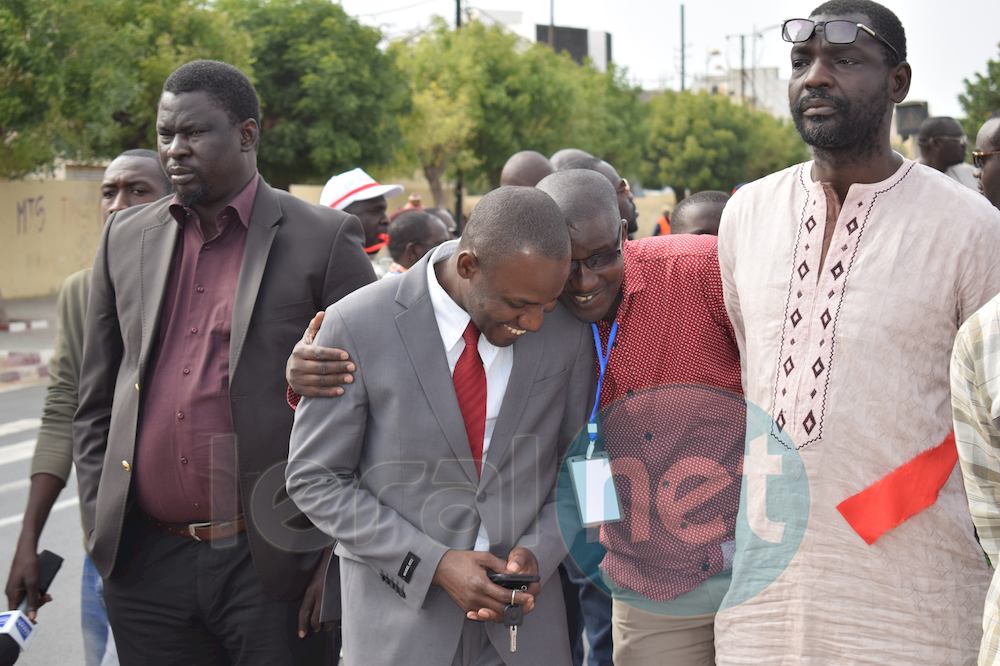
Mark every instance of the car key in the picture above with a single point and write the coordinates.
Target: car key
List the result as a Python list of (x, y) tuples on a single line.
[(513, 616)]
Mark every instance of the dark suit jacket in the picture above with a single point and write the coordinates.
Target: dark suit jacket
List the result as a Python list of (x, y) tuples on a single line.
[(299, 259)]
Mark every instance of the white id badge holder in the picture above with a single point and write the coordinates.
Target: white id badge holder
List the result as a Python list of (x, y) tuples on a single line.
[(594, 487)]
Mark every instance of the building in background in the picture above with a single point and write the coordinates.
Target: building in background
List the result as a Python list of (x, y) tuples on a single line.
[(762, 87), (580, 43)]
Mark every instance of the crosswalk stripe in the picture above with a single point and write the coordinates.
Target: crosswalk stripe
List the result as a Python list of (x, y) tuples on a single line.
[(14, 485), (62, 504), (12, 453), (14, 427)]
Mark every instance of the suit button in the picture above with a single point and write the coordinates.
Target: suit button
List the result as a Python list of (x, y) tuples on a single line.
[(126, 466), (137, 386), (481, 497)]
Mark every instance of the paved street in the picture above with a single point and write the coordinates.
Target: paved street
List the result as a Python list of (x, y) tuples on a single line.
[(57, 639)]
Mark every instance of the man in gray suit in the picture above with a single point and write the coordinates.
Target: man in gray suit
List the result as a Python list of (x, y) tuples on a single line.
[(425, 488), (180, 439)]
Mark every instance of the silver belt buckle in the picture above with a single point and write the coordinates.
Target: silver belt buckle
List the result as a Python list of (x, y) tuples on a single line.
[(193, 526)]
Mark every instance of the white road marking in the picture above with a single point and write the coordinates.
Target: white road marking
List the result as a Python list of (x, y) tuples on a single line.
[(58, 506), (14, 485), (12, 453), (14, 427)]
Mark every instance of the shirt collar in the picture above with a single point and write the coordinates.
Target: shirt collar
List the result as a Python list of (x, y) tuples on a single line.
[(241, 205), (452, 320)]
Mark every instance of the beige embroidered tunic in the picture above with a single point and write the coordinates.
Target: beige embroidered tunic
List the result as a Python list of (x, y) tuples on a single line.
[(849, 354)]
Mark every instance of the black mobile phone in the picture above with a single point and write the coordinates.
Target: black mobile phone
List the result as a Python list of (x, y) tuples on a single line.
[(48, 567), (512, 581)]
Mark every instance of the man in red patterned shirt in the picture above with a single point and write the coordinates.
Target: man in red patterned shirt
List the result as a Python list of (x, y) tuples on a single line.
[(665, 293)]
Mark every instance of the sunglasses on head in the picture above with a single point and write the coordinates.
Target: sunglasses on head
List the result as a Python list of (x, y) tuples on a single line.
[(979, 157), (797, 31)]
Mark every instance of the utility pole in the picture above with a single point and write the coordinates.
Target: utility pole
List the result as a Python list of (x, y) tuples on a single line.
[(683, 49), (743, 68), (459, 180), (552, 24)]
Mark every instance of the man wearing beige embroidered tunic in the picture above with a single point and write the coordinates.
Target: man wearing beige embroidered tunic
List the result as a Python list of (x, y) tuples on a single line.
[(846, 279)]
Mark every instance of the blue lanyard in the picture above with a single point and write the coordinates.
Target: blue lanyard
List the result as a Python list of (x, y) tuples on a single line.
[(602, 365)]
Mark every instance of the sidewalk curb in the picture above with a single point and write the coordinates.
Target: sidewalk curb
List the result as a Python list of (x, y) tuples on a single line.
[(18, 367), (24, 325)]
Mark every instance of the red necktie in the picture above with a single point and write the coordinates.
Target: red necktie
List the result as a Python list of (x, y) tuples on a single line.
[(470, 389)]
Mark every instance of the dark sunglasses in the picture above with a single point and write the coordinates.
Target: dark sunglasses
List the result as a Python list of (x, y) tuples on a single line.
[(797, 31), (979, 157), (598, 261)]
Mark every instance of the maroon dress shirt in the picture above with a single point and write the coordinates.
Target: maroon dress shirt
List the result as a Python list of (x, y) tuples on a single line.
[(185, 455)]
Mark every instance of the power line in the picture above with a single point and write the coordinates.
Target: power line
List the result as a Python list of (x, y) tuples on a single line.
[(399, 9)]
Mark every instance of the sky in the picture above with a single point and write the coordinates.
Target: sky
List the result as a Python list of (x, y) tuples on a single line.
[(947, 41)]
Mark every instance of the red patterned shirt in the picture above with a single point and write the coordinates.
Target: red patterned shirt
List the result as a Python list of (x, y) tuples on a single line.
[(676, 452)]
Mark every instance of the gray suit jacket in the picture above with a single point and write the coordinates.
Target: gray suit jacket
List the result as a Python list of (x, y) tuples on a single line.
[(299, 258), (386, 470)]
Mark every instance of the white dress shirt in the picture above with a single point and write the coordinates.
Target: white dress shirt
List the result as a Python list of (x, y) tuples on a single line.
[(452, 321)]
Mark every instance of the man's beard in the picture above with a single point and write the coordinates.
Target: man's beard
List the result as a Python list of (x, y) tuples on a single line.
[(853, 130), (194, 196)]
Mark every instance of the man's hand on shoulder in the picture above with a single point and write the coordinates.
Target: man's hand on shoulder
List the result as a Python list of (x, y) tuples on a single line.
[(462, 574), (318, 372)]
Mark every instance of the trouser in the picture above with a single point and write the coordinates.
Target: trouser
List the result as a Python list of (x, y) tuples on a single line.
[(98, 641), (588, 615), (474, 648), (173, 600), (642, 638)]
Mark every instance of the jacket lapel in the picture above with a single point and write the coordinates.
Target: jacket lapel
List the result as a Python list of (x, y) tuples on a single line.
[(419, 331), (155, 255), (527, 360), (260, 234)]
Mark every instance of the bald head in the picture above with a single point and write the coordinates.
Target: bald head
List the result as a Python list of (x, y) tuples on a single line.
[(583, 196), (513, 220), (942, 142), (938, 126), (561, 158), (988, 163), (699, 213), (525, 168)]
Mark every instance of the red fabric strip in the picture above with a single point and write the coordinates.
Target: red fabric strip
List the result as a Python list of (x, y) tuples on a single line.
[(383, 240), (354, 191), (901, 494)]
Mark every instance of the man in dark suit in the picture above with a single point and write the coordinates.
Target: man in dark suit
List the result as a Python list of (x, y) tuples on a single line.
[(181, 437)]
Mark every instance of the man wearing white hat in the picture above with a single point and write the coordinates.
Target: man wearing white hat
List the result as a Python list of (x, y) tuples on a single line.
[(357, 193)]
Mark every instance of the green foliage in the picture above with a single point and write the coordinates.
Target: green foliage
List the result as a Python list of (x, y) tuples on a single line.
[(330, 98), (481, 94), (981, 98), (81, 77), (609, 119), (706, 142)]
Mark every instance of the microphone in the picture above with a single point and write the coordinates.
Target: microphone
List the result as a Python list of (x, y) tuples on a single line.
[(15, 627)]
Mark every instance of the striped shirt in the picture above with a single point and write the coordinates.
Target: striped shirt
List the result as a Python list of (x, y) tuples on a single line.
[(975, 400)]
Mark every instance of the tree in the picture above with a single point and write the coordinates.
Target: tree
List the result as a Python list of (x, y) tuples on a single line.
[(81, 77), (609, 119), (981, 98), (330, 98), (481, 94), (701, 142)]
